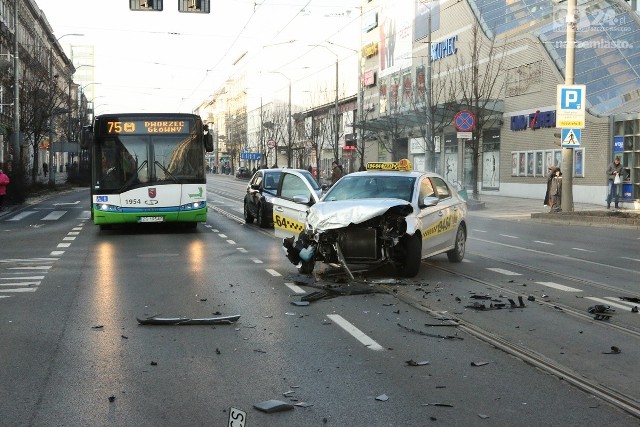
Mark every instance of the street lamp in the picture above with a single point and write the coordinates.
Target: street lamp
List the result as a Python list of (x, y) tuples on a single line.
[(288, 121), (52, 181), (335, 152)]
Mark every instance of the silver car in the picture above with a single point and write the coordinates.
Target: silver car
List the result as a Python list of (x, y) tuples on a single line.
[(385, 215)]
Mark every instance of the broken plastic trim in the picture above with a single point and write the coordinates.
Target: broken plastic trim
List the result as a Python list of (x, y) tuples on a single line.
[(187, 321)]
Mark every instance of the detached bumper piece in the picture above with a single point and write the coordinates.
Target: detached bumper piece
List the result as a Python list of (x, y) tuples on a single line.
[(601, 312), (188, 321)]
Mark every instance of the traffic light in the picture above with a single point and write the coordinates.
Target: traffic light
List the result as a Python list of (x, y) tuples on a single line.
[(194, 6), (153, 5)]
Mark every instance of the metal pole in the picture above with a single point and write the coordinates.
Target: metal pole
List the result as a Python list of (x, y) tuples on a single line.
[(16, 95), (52, 181), (566, 201), (337, 129), (289, 148), (429, 130)]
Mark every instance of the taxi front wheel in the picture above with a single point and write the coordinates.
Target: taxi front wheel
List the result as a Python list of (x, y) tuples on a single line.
[(412, 246), (457, 253)]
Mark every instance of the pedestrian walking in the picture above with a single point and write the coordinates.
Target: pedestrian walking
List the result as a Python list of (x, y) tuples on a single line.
[(336, 172), (616, 175), (45, 169), (4, 181), (555, 190)]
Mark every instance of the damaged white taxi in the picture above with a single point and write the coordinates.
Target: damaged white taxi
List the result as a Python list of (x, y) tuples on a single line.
[(387, 214)]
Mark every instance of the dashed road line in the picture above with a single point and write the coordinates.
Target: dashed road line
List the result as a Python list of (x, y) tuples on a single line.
[(273, 272), (559, 287), (505, 272), (509, 236), (295, 288), (611, 303), (582, 250), (355, 332), (543, 243)]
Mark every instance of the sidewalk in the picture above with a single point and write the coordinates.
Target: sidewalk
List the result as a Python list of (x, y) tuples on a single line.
[(516, 208), (61, 182)]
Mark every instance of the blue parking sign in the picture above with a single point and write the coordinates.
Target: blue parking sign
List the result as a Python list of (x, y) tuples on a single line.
[(571, 98)]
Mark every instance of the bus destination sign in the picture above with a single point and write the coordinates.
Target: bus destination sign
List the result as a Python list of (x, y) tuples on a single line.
[(147, 127)]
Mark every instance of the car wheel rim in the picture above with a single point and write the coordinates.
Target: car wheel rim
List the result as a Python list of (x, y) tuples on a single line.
[(461, 242)]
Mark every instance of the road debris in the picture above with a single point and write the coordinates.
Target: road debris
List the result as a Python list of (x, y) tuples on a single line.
[(300, 303), (414, 363), (479, 363), (444, 405), (382, 398), (601, 312), (270, 406), (630, 299), (448, 337), (154, 320), (614, 350)]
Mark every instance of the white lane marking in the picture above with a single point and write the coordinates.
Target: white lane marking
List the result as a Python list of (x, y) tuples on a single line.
[(56, 253), (84, 215), (63, 245), (20, 284), (73, 233), (243, 250), (582, 250), (215, 230), (509, 236), (69, 238), (35, 267), (54, 215), (630, 259), (28, 259), (23, 278), (616, 299), (21, 215), (231, 242), (479, 231), (559, 287), (505, 272), (355, 332), (466, 260), (273, 272), (77, 228), (542, 243), (19, 290), (67, 203), (611, 303), (256, 260), (224, 236), (295, 288)]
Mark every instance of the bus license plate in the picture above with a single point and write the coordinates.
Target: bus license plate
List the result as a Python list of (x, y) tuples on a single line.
[(151, 219)]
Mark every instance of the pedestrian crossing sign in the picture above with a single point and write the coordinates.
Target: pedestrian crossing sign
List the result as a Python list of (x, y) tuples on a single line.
[(570, 137)]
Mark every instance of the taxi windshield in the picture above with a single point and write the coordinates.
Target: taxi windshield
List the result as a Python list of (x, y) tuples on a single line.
[(372, 187)]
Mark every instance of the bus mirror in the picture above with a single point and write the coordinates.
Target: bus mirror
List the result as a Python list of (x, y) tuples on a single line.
[(208, 143)]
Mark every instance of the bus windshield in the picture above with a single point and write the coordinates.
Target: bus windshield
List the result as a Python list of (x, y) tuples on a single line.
[(129, 161)]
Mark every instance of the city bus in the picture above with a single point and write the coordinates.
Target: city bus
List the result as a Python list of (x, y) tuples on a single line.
[(149, 168)]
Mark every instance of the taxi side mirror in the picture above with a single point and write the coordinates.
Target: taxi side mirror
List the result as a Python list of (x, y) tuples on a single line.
[(429, 202), (302, 199)]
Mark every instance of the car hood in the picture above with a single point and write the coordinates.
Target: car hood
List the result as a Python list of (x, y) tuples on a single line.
[(337, 214)]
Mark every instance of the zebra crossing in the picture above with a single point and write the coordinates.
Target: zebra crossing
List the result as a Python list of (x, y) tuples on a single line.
[(24, 275), (48, 215)]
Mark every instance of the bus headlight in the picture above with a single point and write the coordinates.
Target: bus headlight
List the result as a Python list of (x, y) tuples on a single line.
[(106, 208), (193, 205)]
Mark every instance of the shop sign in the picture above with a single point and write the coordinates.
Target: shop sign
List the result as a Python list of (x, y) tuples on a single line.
[(444, 48), (369, 21), (369, 78), (536, 120), (370, 50)]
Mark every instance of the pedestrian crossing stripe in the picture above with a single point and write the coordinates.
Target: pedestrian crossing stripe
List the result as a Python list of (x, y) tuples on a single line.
[(571, 137)]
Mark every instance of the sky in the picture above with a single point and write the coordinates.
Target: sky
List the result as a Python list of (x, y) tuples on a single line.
[(171, 62)]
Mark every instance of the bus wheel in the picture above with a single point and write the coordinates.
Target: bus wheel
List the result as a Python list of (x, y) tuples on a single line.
[(191, 225), (248, 218), (105, 227)]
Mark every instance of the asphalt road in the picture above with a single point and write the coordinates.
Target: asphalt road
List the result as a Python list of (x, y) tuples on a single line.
[(74, 354)]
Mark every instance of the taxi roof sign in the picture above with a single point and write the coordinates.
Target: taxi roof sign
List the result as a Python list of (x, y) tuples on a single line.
[(402, 165)]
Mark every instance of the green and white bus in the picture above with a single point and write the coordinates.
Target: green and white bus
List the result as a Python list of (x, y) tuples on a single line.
[(149, 168)]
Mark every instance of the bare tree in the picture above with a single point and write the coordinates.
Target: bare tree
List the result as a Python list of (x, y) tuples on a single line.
[(480, 88)]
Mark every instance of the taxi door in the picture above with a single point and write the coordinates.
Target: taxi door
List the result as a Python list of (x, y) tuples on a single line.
[(439, 223), (291, 204)]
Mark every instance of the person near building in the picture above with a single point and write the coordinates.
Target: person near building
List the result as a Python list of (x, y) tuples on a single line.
[(45, 169), (550, 171), (4, 181), (336, 172), (555, 190), (616, 175)]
